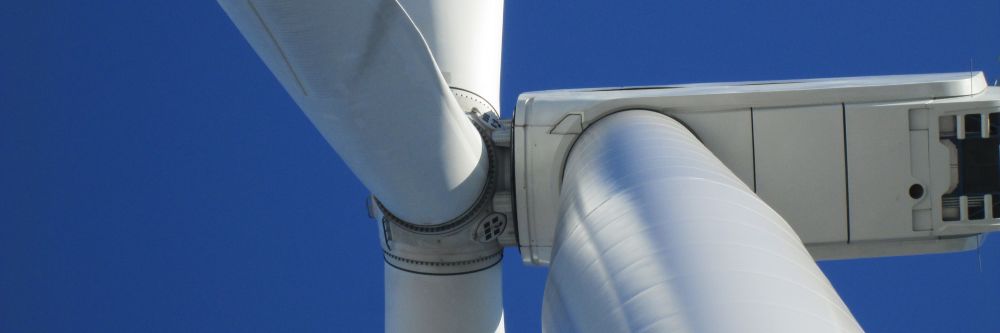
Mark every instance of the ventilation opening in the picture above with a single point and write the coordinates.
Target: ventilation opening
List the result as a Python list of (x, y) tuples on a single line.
[(975, 166), (492, 227)]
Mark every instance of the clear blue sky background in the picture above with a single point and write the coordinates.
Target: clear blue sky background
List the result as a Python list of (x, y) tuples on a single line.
[(154, 177)]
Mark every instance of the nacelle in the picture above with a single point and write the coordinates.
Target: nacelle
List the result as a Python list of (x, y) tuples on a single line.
[(860, 167)]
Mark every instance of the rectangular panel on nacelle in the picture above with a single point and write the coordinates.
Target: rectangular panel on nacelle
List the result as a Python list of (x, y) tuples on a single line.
[(799, 154)]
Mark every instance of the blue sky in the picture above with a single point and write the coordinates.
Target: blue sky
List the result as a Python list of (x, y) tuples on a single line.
[(154, 177)]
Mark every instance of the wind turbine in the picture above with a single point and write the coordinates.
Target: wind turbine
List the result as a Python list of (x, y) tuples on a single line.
[(639, 199)]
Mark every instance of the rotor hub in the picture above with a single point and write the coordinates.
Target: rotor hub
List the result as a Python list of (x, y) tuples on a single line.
[(472, 241)]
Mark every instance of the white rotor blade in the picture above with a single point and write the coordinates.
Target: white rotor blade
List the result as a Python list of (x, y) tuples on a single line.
[(363, 75), (465, 37), (417, 303), (657, 235)]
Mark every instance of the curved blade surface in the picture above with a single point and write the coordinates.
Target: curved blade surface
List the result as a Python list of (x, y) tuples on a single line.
[(363, 75), (657, 235), (416, 303)]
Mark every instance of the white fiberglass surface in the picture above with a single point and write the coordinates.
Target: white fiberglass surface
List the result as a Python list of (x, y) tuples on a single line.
[(657, 235), (465, 38), (361, 72), (416, 303)]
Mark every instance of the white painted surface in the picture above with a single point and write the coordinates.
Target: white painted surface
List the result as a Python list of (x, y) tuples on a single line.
[(730, 136), (465, 38), (657, 235), (879, 171), (718, 114), (363, 75), (418, 303), (800, 168)]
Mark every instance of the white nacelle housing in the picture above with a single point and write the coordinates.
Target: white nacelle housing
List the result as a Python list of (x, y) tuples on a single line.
[(860, 167)]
